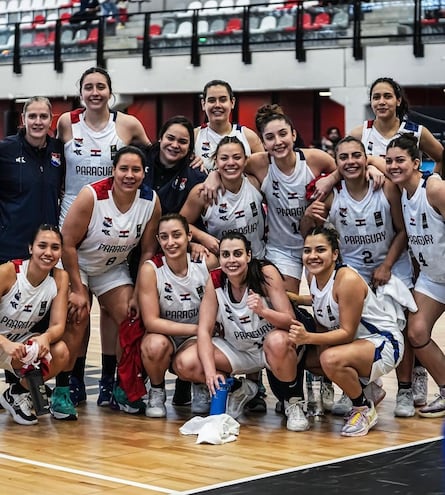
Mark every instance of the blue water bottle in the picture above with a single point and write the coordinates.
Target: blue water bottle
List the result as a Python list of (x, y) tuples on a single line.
[(219, 400)]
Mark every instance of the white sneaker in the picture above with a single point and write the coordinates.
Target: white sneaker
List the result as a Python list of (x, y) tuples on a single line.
[(404, 404), (19, 405), (240, 397), (156, 403), (420, 386), (200, 398), (343, 406), (327, 396), (296, 419)]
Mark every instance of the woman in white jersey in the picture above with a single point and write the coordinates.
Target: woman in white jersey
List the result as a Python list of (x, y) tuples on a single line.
[(29, 289), (423, 206), (247, 302), (107, 219), (217, 102), (170, 288), (361, 336), (390, 107), (372, 240), (91, 136), (239, 207)]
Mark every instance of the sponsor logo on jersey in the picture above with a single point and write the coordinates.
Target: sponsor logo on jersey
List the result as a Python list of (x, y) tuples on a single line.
[(20, 159), (168, 287), (254, 209), (113, 151), (108, 222), (378, 218), (138, 230), (424, 221), (43, 307)]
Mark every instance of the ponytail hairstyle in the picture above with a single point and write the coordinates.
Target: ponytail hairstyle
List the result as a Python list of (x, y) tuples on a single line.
[(331, 235), (407, 142)]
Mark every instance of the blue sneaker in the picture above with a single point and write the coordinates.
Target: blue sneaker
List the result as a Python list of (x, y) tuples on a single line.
[(78, 393), (61, 404), (106, 385)]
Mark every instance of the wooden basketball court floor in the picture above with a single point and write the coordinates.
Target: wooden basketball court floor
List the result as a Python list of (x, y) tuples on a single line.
[(115, 453)]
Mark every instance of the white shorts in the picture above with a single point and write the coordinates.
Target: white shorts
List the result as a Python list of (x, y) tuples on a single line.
[(387, 355), (243, 361), (432, 289), (100, 284), (288, 262), (5, 359), (403, 269)]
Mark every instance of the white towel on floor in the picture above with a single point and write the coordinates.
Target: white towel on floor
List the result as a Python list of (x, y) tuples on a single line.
[(216, 429)]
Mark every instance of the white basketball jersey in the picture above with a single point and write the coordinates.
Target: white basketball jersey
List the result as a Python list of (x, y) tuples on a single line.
[(426, 231), (375, 144), (180, 297), (239, 212), (239, 325), (112, 234), (286, 203), (366, 231), (375, 319), (207, 140), (25, 305), (89, 156)]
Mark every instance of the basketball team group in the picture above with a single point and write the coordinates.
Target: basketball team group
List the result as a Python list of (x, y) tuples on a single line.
[(195, 247)]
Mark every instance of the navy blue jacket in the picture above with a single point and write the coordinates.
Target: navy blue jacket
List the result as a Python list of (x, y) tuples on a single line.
[(31, 180)]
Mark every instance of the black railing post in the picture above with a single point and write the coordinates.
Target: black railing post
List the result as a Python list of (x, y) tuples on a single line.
[(146, 48), (58, 64), (100, 58), (357, 48), (300, 52), (17, 66), (418, 49), (195, 58), (247, 54)]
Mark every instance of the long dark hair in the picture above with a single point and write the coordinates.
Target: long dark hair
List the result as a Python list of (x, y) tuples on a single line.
[(331, 235), (255, 278)]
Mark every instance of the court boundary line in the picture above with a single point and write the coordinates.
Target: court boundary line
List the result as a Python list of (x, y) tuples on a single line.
[(307, 466), (86, 474)]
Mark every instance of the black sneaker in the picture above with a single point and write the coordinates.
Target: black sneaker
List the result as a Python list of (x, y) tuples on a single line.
[(257, 404), (19, 406), (183, 393)]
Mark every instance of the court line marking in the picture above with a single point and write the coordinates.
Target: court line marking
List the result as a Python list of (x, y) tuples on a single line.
[(306, 466), (86, 474)]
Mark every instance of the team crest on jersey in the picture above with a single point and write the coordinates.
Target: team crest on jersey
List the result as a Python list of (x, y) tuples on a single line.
[(78, 142), (254, 209), (18, 295), (43, 307), (293, 195), (239, 214), (245, 320), (168, 288), (343, 212), (370, 146), (55, 159), (113, 151), (185, 296), (205, 146), (222, 208), (108, 222)]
